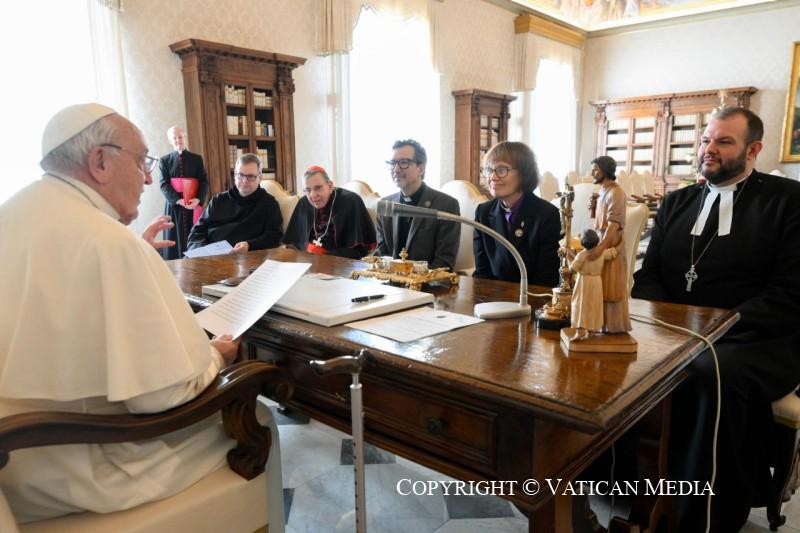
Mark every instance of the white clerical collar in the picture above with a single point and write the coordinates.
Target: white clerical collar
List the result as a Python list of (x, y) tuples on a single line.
[(725, 207), (87, 192)]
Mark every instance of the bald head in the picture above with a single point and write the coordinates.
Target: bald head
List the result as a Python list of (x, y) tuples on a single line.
[(177, 138)]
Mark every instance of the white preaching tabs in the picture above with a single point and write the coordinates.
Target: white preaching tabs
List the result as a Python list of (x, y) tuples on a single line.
[(248, 302), (215, 248)]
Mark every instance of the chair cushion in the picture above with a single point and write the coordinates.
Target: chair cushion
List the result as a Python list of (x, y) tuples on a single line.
[(787, 410), (222, 501)]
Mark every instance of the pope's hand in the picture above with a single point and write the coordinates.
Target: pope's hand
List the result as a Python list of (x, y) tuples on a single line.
[(227, 346), (156, 226), (194, 202), (240, 247)]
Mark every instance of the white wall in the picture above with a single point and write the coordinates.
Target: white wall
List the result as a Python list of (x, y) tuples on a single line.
[(476, 40), (752, 49), (155, 83)]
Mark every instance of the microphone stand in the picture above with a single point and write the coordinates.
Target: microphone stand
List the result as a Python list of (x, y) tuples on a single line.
[(486, 310)]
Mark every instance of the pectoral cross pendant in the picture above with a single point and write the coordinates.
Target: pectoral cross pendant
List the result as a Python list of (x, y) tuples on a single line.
[(317, 242), (691, 277)]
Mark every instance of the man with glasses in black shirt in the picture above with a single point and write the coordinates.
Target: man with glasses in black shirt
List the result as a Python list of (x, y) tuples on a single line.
[(425, 239), (245, 215)]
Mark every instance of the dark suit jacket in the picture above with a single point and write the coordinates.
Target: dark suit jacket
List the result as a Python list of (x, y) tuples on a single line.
[(431, 240), (540, 227)]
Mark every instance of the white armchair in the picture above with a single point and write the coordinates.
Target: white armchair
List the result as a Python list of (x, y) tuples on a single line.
[(286, 201), (548, 187), (469, 197), (366, 193)]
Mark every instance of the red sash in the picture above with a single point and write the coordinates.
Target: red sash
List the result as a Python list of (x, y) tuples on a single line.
[(188, 187)]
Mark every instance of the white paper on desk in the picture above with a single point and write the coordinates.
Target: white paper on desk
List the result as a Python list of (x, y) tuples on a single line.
[(248, 302), (215, 248), (415, 324)]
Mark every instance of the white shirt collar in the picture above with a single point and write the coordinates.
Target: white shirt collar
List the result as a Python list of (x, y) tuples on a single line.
[(725, 207)]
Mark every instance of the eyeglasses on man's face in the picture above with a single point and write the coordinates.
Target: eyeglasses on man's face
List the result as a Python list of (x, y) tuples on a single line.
[(145, 162), (248, 177), (500, 172), (402, 163)]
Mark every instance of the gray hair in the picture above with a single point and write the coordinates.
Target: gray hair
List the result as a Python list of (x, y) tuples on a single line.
[(73, 154), (172, 129), (245, 159)]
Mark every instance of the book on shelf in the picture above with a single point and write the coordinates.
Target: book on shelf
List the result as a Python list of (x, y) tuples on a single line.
[(263, 154), (262, 99), (234, 95), (234, 153)]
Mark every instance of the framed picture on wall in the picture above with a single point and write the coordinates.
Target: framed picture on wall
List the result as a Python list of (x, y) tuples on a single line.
[(790, 147)]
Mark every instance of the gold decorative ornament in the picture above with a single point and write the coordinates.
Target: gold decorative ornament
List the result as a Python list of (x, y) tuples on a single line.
[(412, 274)]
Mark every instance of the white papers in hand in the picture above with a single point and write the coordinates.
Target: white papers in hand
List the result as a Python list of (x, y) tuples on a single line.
[(415, 324), (248, 302), (215, 248)]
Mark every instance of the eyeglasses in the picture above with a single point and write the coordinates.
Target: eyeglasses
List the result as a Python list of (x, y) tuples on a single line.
[(249, 177), (402, 163), (500, 172), (146, 163)]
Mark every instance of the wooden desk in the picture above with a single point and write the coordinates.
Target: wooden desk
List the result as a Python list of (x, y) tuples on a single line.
[(496, 401)]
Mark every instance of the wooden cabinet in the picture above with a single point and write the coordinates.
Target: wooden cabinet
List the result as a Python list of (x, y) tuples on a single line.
[(660, 133), (481, 122), (237, 101)]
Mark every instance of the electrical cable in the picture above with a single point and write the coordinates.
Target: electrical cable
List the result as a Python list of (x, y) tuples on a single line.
[(654, 321)]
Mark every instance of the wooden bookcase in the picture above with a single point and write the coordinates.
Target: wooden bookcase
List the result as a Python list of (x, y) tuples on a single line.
[(660, 133), (237, 101), (481, 122)]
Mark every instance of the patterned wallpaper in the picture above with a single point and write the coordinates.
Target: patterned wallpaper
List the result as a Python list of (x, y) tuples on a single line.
[(477, 42), (728, 51), (153, 72)]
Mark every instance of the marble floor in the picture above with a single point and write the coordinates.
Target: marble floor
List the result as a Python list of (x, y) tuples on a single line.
[(318, 491)]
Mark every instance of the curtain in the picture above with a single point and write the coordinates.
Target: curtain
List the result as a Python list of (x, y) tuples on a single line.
[(530, 49), (109, 72)]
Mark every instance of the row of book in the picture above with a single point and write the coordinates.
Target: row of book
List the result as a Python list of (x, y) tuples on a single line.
[(237, 125), (489, 138), (485, 122), (263, 129), (234, 95), (683, 136), (262, 99)]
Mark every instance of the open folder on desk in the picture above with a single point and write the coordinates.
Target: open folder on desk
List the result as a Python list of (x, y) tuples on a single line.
[(328, 302)]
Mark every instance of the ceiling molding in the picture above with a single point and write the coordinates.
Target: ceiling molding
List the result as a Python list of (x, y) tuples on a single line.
[(530, 23)]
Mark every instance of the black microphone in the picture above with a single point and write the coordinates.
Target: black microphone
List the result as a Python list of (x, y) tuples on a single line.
[(386, 208)]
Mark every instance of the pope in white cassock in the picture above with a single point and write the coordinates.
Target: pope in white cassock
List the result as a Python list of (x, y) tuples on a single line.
[(92, 321)]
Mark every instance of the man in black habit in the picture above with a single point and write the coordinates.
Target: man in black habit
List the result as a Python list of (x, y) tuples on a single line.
[(175, 167), (330, 220), (246, 216), (734, 243)]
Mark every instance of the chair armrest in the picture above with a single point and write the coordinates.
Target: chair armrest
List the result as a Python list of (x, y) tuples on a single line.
[(233, 391)]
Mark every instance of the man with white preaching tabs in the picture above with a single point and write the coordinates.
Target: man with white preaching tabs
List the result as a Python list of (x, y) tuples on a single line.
[(734, 243), (330, 220), (425, 239), (92, 321)]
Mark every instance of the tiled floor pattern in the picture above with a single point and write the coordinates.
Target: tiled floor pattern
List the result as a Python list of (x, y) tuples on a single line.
[(318, 491)]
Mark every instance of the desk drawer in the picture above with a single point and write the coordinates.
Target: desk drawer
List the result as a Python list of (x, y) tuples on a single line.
[(416, 415), (426, 419)]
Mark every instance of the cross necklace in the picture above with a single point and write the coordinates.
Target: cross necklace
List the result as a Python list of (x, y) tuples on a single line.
[(691, 274), (318, 238)]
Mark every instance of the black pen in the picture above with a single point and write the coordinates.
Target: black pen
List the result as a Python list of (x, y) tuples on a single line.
[(358, 299)]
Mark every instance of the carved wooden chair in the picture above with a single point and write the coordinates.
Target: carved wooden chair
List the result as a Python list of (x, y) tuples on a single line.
[(286, 201), (245, 497), (469, 197), (786, 413)]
